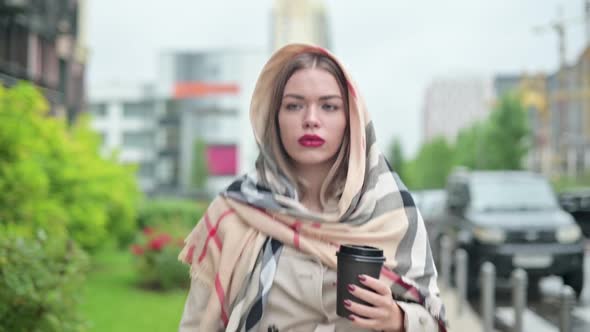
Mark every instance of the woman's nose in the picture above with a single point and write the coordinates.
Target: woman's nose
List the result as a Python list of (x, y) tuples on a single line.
[(310, 119)]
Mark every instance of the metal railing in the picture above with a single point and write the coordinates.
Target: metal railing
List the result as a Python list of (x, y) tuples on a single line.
[(487, 283)]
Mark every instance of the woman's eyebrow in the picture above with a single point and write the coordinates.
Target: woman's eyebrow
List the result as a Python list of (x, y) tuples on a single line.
[(302, 98), (330, 97), (294, 96)]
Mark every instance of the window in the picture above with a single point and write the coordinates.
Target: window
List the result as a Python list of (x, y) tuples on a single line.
[(140, 139), (512, 193), (146, 170), (138, 110), (222, 159), (98, 110)]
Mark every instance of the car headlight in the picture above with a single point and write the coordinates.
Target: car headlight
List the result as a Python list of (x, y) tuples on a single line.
[(568, 234), (489, 235)]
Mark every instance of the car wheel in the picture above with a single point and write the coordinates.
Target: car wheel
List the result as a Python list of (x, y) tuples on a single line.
[(575, 279)]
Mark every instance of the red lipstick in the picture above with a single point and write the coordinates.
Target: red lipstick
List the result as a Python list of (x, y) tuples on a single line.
[(311, 141)]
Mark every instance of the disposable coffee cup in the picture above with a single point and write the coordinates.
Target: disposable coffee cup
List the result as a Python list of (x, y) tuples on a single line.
[(354, 260)]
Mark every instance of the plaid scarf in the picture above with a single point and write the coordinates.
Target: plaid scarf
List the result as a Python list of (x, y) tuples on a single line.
[(236, 246)]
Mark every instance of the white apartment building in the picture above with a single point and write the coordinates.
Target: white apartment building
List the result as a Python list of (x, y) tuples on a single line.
[(199, 96), (451, 104)]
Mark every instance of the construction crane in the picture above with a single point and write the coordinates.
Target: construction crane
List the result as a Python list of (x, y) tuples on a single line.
[(558, 26)]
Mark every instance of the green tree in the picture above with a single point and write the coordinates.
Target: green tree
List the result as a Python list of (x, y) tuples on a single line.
[(470, 147), (53, 179), (396, 158), (432, 165), (200, 170), (506, 137)]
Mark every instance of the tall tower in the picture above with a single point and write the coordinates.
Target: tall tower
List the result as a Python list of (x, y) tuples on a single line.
[(299, 21)]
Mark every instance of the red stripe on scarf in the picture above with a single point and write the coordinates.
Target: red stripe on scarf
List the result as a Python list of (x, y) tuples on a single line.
[(398, 280), (296, 226), (413, 290), (221, 298), (213, 233)]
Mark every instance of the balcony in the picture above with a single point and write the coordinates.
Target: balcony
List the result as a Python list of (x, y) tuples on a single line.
[(12, 7), (52, 95)]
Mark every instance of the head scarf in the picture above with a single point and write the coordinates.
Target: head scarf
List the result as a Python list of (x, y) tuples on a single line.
[(236, 246)]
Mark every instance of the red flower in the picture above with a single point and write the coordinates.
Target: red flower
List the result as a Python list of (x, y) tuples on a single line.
[(148, 231), (137, 249), (159, 242)]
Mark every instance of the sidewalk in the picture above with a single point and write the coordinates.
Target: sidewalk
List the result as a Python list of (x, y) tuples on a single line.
[(467, 320)]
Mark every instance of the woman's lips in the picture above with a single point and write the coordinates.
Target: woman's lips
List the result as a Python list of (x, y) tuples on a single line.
[(311, 141)]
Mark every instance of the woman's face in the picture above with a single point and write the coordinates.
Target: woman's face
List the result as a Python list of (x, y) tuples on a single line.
[(312, 118)]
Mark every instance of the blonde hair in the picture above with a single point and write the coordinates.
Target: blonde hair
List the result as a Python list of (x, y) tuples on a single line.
[(334, 183)]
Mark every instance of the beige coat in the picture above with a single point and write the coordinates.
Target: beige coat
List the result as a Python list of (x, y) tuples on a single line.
[(301, 299)]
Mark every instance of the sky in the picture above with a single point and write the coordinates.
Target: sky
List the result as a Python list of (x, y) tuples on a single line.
[(392, 48)]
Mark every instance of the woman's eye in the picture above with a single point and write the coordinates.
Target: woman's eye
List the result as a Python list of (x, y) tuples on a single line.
[(329, 107), (292, 107)]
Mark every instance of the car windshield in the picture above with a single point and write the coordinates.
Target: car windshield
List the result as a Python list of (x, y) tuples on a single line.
[(512, 193)]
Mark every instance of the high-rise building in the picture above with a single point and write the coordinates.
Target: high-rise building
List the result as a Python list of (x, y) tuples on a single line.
[(211, 92), (454, 104), (44, 42), (558, 108), (568, 92), (196, 114), (127, 120), (299, 21)]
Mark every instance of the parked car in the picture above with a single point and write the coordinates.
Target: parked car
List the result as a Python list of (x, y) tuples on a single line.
[(513, 219), (577, 202)]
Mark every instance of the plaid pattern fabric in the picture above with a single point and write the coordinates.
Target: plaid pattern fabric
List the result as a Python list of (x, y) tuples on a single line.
[(237, 245)]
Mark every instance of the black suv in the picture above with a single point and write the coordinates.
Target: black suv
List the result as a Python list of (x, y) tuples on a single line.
[(513, 219), (577, 202)]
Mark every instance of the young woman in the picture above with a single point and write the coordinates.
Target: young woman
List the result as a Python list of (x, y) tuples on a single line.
[(263, 257)]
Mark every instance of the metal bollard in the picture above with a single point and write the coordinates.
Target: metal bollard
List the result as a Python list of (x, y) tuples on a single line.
[(445, 261), (488, 294), (567, 298), (519, 297), (461, 278)]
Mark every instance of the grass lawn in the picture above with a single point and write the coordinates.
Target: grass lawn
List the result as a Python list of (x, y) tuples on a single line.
[(113, 304)]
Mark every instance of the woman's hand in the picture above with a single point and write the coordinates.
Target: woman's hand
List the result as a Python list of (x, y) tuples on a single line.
[(384, 315)]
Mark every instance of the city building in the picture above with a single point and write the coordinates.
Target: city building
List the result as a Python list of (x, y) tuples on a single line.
[(127, 118), (44, 42), (299, 21), (211, 91), (558, 107), (452, 104), (532, 89), (568, 91), (196, 113)]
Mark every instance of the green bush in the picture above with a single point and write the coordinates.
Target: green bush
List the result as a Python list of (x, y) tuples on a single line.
[(40, 283), (165, 223), (170, 213), (157, 261), (52, 176)]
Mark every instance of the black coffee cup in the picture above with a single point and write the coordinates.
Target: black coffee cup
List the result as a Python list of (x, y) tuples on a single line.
[(352, 261)]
